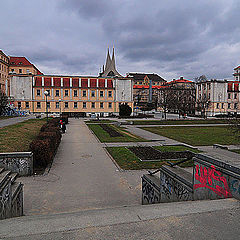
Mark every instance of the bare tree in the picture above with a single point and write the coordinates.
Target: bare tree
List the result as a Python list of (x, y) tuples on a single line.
[(202, 78), (202, 105)]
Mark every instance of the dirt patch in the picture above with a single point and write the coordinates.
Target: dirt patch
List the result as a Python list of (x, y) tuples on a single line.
[(151, 154), (112, 132)]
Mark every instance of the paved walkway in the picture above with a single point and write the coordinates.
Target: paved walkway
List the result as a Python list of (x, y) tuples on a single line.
[(14, 120), (190, 220), (82, 177)]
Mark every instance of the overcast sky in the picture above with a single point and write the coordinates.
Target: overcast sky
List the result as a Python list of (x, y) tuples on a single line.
[(170, 37)]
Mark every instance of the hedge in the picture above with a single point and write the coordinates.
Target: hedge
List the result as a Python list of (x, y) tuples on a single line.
[(44, 147)]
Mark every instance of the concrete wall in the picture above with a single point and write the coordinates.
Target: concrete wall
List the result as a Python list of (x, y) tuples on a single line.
[(21, 87), (123, 90), (18, 162), (214, 179)]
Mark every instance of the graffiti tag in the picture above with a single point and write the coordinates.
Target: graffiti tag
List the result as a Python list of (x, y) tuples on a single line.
[(206, 176)]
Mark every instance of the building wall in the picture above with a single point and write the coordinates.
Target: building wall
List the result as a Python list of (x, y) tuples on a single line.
[(4, 68), (71, 94), (23, 70)]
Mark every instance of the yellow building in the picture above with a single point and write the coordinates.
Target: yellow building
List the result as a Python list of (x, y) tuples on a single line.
[(20, 65), (74, 95), (4, 68)]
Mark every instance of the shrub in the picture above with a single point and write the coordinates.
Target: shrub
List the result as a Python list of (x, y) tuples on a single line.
[(42, 154), (125, 110), (52, 136)]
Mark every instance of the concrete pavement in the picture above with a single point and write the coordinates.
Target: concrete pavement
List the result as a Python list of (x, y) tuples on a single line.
[(14, 120), (212, 219), (82, 177)]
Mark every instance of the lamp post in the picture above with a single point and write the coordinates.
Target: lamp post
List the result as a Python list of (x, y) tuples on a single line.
[(60, 107), (46, 94)]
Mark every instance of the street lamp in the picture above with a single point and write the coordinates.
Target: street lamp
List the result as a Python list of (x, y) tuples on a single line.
[(60, 106), (46, 93)]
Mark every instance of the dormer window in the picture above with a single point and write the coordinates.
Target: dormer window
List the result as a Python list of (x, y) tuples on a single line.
[(20, 63)]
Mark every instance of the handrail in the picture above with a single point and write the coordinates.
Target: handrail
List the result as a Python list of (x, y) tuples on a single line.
[(171, 165)]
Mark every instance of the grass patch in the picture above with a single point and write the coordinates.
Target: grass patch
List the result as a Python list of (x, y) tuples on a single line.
[(197, 136), (180, 122), (127, 160), (103, 136), (176, 148), (17, 137)]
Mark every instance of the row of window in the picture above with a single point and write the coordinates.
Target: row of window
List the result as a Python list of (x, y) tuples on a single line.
[(75, 93), (229, 95), (229, 105), (66, 105)]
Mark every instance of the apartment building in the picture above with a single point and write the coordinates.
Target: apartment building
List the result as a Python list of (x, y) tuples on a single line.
[(236, 73), (219, 96), (21, 65), (73, 95), (4, 68)]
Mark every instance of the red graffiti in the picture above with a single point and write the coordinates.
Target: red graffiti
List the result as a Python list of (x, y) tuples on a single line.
[(206, 179)]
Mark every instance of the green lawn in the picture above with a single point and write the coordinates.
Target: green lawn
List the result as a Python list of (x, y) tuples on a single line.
[(197, 136), (17, 137), (180, 122), (103, 136), (127, 160)]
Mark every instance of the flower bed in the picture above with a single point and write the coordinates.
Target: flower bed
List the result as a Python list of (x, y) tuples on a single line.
[(112, 132), (151, 154)]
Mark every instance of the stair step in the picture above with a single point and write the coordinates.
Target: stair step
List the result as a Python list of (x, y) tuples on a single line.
[(1, 170), (16, 187), (13, 177), (180, 174), (3, 177)]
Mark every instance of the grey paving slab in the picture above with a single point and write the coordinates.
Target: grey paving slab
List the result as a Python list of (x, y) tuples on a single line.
[(82, 176), (14, 120), (221, 154), (213, 219)]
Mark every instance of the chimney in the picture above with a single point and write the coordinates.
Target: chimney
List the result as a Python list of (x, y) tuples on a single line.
[(181, 78)]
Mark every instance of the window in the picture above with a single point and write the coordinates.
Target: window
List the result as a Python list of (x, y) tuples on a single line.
[(66, 105), (235, 105), (235, 96), (27, 104), (109, 93), (101, 93), (222, 105), (19, 105), (75, 104), (75, 93), (229, 105), (57, 93), (93, 104), (57, 105), (48, 104), (209, 96), (101, 104), (38, 105), (66, 93), (217, 105), (84, 105), (84, 93), (20, 70), (93, 94), (110, 105), (28, 70), (229, 96), (38, 92)]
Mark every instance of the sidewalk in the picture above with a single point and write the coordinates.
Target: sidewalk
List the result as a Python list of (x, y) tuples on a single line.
[(82, 177), (14, 120)]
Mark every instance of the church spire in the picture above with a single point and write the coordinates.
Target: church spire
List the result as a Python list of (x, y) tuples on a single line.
[(113, 59), (108, 61)]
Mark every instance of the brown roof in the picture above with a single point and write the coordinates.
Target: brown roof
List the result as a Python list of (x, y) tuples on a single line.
[(141, 76)]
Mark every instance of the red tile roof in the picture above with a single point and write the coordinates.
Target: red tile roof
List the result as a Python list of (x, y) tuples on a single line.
[(22, 61), (181, 80)]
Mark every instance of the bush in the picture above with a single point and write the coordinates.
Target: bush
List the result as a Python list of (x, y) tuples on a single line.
[(46, 143), (125, 110), (42, 154)]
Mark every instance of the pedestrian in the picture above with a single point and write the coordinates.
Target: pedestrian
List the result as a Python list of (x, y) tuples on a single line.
[(63, 127)]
